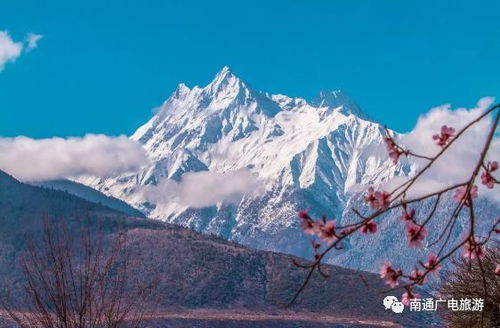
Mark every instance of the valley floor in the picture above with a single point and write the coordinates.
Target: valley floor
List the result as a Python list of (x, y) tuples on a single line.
[(237, 319), (250, 319)]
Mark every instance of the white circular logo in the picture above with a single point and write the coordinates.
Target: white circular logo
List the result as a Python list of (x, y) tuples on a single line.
[(392, 302)]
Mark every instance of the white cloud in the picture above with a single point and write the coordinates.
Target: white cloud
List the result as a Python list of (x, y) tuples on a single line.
[(201, 189), (457, 163), (44, 159), (9, 50), (32, 40)]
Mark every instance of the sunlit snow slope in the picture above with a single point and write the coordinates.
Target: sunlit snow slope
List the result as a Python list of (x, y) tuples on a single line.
[(307, 155)]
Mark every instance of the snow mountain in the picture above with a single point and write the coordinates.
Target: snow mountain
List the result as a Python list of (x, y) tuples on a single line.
[(306, 155)]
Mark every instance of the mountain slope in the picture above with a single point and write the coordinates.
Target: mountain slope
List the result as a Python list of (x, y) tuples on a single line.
[(90, 195), (197, 271), (23, 208), (307, 155)]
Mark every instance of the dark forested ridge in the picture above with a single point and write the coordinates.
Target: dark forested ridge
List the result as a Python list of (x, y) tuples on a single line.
[(23, 208), (197, 271), (92, 195)]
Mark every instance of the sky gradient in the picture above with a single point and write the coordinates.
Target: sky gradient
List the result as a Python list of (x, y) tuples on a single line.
[(102, 66)]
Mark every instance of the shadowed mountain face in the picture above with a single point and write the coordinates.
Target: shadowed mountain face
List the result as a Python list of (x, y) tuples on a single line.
[(206, 272), (197, 271), (23, 208), (90, 195)]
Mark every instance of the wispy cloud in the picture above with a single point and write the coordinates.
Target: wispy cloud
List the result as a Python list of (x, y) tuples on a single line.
[(44, 159), (32, 40), (10, 50), (201, 189), (457, 162)]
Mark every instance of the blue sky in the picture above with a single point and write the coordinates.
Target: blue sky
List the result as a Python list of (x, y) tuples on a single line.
[(103, 65)]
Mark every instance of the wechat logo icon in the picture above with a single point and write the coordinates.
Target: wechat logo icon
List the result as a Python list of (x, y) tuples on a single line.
[(392, 302)]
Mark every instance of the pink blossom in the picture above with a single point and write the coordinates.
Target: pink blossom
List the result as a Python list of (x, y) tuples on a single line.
[(383, 199), (407, 216), (461, 194), (370, 198), (309, 226), (369, 227), (446, 135), (497, 270), (389, 274), (473, 250), (315, 245), (394, 151), (304, 215), (486, 177), (409, 295), (417, 276), (327, 231), (432, 264), (377, 199), (487, 180), (415, 234), (493, 166)]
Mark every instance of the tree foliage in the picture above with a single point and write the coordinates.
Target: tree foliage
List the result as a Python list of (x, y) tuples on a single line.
[(468, 279), (84, 281)]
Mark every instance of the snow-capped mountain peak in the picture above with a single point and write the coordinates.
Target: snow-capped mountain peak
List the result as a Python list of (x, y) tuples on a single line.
[(181, 91), (224, 79), (338, 99), (315, 155), (301, 150), (306, 154), (228, 94)]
